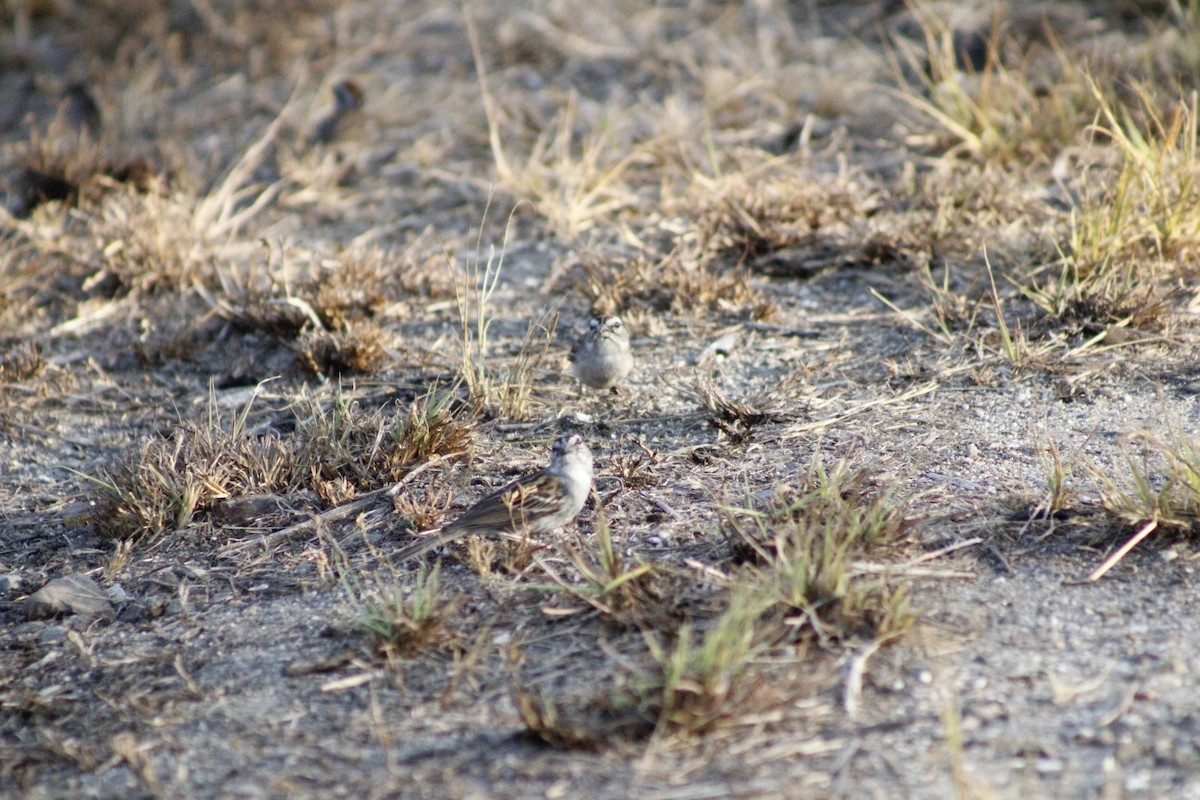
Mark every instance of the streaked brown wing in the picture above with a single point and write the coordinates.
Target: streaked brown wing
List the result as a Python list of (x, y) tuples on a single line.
[(508, 508)]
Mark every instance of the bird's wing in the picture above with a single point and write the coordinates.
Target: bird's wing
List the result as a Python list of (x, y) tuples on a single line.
[(508, 507)]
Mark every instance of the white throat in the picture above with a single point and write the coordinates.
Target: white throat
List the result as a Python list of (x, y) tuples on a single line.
[(575, 468)]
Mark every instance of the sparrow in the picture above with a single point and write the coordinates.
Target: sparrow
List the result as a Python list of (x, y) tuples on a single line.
[(536, 503), (347, 97), (601, 358), (78, 110)]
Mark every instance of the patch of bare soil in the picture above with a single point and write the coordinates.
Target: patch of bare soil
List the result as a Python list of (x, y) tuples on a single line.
[(899, 499)]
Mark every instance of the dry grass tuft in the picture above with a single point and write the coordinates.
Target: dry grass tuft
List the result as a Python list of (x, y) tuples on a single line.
[(433, 424), (1002, 105), (573, 181), (284, 296), (358, 347), (342, 448), (772, 221), (587, 722), (805, 587), (336, 451), (737, 419), (1152, 206), (1058, 473), (1163, 484), (804, 542), (21, 362), (422, 511), (367, 283), (496, 387), (404, 615), (671, 283), (580, 720), (704, 678), (954, 312), (133, 239), (328, 312), (571, 176), (1138, 231), (68, 168), (626, 595), (635, 469), (698, 677), (1161, 492), (165, 482), (958, 209), (762, 218), (1102, 299)]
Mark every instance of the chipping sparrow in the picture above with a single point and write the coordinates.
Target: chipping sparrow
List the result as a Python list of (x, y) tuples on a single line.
[(601, 358), (347, 97), (78, 111), (536, 503)]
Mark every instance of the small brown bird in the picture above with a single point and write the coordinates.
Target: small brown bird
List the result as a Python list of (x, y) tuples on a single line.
[(347, 97), (78, 111), (602, 358), (536, 503)]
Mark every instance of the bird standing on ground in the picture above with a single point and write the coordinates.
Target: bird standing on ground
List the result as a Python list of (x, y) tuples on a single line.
[(536, 503), (347, 98), (602, 358), (78, 111)]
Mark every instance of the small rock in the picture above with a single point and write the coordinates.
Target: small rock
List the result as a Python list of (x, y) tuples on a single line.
[(77, 515), (26, 629), (1139, 781), (722, 346), (240, 511), (132, 614), (1117, 334), (73, 594), (156, 605), (10, 583), (52, 635)]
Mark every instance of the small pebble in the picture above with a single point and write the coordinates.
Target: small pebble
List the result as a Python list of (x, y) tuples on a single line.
[(53, 635)]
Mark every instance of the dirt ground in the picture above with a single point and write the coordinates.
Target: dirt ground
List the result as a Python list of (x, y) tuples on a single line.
[(951, 248)]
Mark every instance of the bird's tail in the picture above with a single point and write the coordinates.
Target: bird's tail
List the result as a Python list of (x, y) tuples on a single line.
[(426, 543)]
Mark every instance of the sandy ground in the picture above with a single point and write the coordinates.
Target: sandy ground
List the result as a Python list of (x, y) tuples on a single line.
[(802, 254)]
